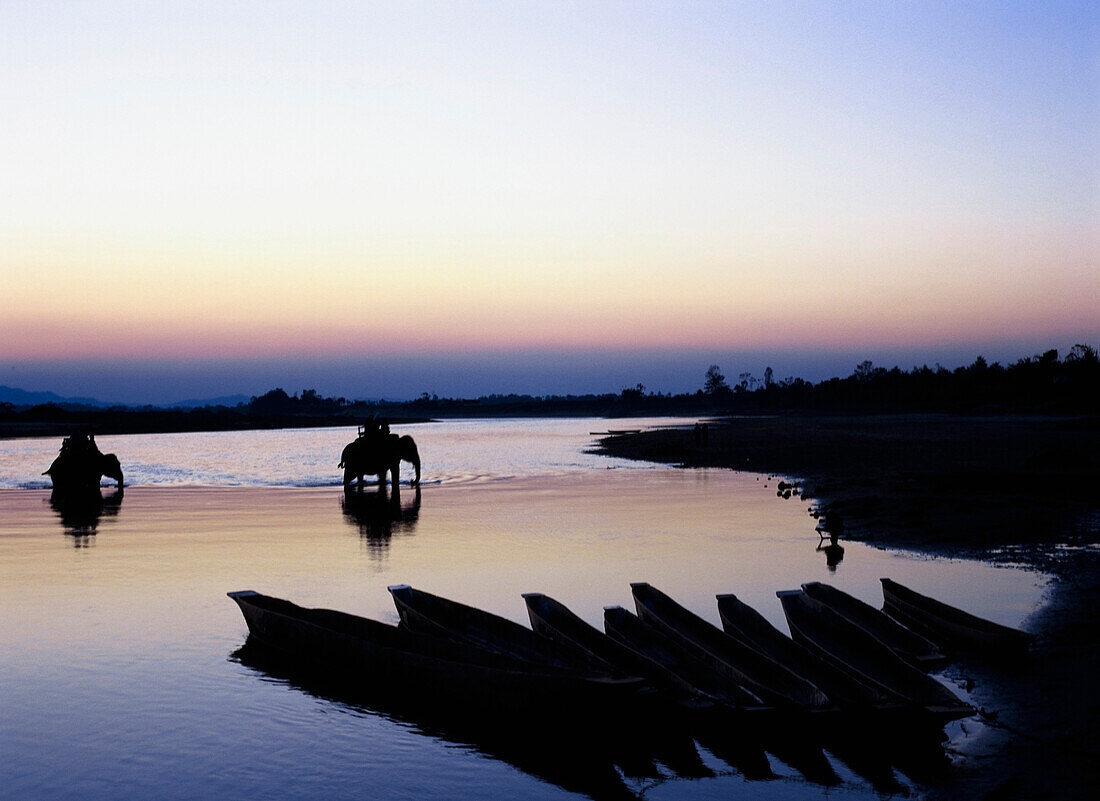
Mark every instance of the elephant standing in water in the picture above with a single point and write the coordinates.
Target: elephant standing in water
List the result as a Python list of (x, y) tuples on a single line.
[(80, 465), (374, 452)]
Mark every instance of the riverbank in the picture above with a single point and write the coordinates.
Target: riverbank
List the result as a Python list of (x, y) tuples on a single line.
[(1013, 490)]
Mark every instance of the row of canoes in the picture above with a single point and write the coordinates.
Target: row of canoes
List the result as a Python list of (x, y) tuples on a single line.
[(836, 658)]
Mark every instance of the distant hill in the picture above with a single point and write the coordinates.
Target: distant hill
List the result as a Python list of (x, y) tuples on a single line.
[(21, 397)]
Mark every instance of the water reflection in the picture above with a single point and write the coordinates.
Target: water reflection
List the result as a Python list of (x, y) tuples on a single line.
[(626, 753), (834, 551), (578, 759), (81, 510), (379, 515)]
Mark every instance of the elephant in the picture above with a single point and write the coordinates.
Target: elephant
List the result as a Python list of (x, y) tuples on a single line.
[(80, 465), (376, 452)]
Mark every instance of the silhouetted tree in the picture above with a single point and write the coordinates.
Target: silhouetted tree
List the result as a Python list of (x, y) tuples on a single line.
[(715, 382), (274, 402), (1082, 354)]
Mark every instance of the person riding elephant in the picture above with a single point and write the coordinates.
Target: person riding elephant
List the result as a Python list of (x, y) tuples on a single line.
[(81, 465), (375, 452)]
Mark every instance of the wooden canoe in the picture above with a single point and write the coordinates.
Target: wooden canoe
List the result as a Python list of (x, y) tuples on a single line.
[(947, 625), (341, 645), (761, 675), (604, 744), (627, 629), (742, 622), (742, 725), (431, 614), (553, 619), (835, 638), (906, 643)]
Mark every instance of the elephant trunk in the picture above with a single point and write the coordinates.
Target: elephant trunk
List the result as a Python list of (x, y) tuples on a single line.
[(411, 454), (111, 468)]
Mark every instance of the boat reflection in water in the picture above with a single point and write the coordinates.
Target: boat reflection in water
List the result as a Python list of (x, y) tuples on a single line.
[(80, 510), (591, 760), (379, 515), (602, 735)]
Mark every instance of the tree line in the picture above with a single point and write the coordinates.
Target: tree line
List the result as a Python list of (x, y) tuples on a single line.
[(1038, 383), (1042, 383)]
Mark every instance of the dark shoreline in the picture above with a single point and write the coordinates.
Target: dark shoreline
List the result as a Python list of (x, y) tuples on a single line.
[(1017, 490), (962, 484)]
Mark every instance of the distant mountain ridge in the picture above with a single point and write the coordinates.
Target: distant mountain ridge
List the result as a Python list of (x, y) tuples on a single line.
[(23, 397)]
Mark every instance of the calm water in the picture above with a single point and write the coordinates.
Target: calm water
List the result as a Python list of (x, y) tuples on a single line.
[(121, 674)]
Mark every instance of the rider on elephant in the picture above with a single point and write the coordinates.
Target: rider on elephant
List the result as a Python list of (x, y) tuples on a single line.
[(80, 464), (375, 451)]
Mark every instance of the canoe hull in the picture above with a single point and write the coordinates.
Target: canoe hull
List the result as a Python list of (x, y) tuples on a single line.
[(556, 621), (764, 677), (629, 630), (848, 647), (906, 643), (432, 614), (350, 648), (948, 625), (741, 621)]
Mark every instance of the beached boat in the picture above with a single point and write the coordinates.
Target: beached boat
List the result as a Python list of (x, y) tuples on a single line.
[(835, 638), (947, 625), (432, 614), (742, 622), (763, 676), (553, 619), (363, 650), (627, 629), (906, 643)]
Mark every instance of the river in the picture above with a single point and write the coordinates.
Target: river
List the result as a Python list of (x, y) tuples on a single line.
[(120, 655)]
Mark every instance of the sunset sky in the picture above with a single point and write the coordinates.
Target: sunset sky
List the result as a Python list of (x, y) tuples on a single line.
[(382, 199)]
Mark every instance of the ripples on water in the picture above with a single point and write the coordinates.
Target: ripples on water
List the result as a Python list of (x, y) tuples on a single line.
[(453, 452)]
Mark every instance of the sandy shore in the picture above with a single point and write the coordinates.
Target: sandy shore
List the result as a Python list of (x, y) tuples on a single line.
[(1016, 490)]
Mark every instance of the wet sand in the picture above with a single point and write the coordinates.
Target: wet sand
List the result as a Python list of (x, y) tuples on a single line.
[(1016, 490)]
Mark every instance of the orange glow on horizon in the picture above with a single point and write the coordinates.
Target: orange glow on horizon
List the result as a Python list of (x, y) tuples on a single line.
[(814, 325)]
